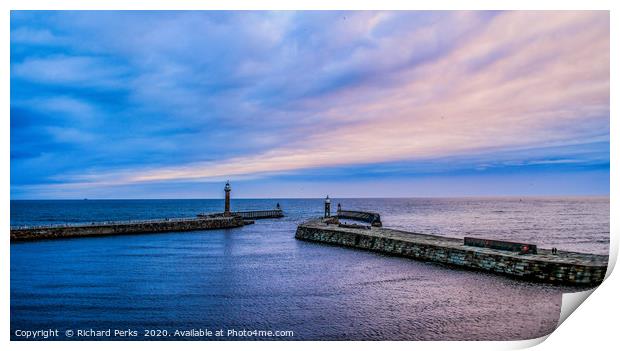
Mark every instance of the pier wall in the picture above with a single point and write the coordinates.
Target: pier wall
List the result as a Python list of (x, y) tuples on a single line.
[(369, 217), (451, 252), (118, 228)]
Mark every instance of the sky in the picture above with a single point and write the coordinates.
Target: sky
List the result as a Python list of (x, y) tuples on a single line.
[(114, 104)]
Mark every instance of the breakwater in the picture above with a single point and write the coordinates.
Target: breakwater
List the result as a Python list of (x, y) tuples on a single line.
[(123, 227), (563, 267)]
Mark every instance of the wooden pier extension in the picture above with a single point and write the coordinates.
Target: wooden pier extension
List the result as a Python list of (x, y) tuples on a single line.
[(511, 259), (248, 215), (260, 214)]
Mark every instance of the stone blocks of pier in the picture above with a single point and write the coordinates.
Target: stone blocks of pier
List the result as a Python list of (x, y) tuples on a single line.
[(529, 267)]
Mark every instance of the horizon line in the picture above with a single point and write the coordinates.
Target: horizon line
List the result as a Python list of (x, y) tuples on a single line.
[(321, 198)]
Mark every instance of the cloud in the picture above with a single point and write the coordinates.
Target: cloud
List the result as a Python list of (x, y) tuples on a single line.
[(74, 70), (67, 106), (34, 36), (177, 96)]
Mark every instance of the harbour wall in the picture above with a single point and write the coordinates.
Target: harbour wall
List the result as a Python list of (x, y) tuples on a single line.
[(562, 268), (129, 227)]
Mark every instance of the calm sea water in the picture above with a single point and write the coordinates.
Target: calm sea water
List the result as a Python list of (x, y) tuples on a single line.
[(260, 278)]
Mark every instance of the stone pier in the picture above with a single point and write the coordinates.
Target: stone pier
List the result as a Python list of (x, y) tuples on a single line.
[(523, 261), (124, 227)]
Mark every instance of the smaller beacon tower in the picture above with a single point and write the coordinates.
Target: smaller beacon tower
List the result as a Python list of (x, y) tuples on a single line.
[(328, 203), (227, 201)]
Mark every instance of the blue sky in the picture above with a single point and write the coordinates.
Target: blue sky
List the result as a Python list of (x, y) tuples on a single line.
[(116, 104)]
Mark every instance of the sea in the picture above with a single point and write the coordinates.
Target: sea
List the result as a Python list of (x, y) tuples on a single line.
[(258, 282)]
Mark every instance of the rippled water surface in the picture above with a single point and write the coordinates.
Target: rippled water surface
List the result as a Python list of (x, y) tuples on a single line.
[(260, 277)]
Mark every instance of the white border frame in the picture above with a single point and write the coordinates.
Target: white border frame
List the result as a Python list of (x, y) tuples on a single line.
[(591, 327)]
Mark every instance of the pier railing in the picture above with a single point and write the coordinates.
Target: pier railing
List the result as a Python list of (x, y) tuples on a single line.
[(104, 223)]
